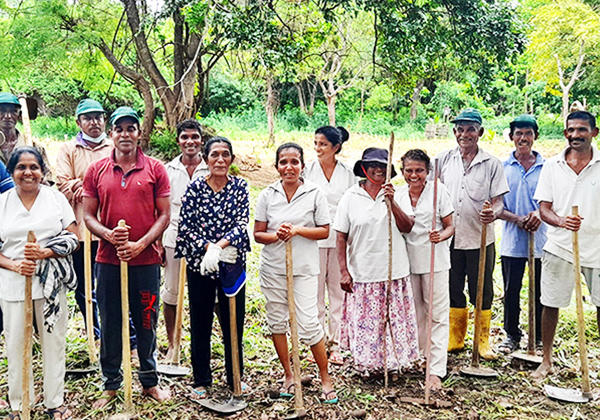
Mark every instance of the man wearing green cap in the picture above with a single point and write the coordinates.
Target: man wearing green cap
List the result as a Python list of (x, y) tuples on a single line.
[(475, 179), (73, 159), (521, 216), (133, 187)]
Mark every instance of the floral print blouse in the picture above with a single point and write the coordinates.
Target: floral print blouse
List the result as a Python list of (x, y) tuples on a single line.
[(208, 216)]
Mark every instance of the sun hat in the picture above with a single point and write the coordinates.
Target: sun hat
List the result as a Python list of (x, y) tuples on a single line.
[(123, 112), (524, 120), (9, 98), (468, 115), (372, 155), (87, 106)]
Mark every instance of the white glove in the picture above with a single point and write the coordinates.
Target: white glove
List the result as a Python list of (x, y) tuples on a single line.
[(229, 255), (210, 262)]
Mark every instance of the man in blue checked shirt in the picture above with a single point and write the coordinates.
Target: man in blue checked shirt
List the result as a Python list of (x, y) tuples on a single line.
[(521, 216)]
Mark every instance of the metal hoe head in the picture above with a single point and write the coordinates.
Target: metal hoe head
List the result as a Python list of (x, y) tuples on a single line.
[(298, 414), (479, 372), (567, 395), (173, 370), (526, 357), (432, 402), (232, 405)]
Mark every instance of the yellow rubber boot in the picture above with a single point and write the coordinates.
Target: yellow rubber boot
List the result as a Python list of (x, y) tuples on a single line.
[(458, 328), (485, 350)]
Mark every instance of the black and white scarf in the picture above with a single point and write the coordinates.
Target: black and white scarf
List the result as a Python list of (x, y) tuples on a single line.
[(57, 272)]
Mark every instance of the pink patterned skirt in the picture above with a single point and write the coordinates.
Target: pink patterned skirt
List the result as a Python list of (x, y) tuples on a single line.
[(363, 322)]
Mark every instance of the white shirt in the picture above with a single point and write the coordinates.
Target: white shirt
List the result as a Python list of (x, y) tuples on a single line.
[(342, 178), (179, 179), (50, 214), (417, 240), (561, 186), (469, 189), (366, 222), (308, 208)]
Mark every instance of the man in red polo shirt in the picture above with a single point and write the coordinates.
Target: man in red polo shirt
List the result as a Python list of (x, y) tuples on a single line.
[(127, 185)]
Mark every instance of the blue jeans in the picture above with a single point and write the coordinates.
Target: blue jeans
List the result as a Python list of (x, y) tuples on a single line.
[(144, 284)]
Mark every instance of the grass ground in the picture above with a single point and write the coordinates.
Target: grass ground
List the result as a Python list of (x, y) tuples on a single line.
[(512, 396)]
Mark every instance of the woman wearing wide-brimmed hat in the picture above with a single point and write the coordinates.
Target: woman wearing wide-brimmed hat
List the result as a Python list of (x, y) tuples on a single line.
[(361, 223)]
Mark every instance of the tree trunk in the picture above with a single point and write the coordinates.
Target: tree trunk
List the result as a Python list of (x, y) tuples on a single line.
[(312, 96), (301, 99), (270, 107), (416, 99), (331, 99)]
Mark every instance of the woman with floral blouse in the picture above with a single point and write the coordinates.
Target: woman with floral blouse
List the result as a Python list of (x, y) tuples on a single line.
[(212, 231)]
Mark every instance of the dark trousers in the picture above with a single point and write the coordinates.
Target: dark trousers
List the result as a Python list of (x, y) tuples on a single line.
[(512, 272), (465, 264), (144, 284), (80, 291), (202, 290)]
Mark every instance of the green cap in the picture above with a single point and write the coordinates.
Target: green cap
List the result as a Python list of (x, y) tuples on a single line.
[(88, 105), (122, 112), (9, 98), (524, 120), (468, 115)]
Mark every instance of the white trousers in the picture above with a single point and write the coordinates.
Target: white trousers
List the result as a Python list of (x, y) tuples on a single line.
[(329, 279), (53, 351), (171, 270), (440, 328)]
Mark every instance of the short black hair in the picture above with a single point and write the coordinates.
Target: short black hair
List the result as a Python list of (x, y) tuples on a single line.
[(189, 124), (16, 156), (289, 146), (417, 155), (214, 140), (583, 115), (334, 135)]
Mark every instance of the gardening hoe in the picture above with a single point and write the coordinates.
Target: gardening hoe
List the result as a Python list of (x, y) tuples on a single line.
[(28, 112), (235, 403), (530, 356), (128, 390), (474, 369), (89, 315), (174, 368), (299, 410), (28, 334), (386, 323), (574, 395)]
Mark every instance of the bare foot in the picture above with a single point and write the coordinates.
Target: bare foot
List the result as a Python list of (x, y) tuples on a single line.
[(59, 413), (435, 382), (157, 393), (107, 396), (542, 371), (170, 355)]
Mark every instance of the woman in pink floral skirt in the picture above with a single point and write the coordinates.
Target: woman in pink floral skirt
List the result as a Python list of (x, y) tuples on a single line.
[(361, 223)]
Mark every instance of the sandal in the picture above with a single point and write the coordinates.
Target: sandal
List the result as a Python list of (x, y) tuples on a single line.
[(286, 392), (198, 393), (329, 397), (13, 416), (508, 346), (336, 358), (62, 410)]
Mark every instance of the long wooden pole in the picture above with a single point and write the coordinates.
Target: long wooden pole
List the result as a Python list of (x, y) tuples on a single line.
[(532, 300), (89, 304), (235, 354), (583, 354), (479, 301), (179, 313), (126, 355), (28, 341), (386, 324), (26, 121), (289, 269), (431, 288)]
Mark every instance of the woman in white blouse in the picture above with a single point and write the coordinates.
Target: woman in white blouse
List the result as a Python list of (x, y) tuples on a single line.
[(45, 211), (334, 178), (293, 210), (415, 168)]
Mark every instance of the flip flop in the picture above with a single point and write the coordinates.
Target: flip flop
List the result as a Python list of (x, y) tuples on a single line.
[(196, 394), (285, 392), (329, 397), (13, 416), (336, 358), (52, 411)]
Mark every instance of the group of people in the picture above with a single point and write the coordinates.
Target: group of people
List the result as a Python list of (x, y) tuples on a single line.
[(337, 219)]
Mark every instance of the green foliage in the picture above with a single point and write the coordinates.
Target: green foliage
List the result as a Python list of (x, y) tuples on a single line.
[(163, 144), (62, 128)]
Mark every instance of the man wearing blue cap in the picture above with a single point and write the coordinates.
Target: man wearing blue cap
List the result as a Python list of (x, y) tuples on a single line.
[(128, 186), (474, 178), (74, 157), (521, 216)]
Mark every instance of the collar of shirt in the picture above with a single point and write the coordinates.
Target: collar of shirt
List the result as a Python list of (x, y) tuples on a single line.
[(358, 189), (177, 164), (562, 156), (139, 163), (304, 188), (82, 143), (480, 157), (539, 160)]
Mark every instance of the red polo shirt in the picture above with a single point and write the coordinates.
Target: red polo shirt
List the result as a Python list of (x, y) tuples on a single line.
[(130, 196)]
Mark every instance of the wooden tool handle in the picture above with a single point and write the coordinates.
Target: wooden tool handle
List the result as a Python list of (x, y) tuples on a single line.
[(479, 300), (386, 322), (532, 301), (28, 341), (289, 269), (179, 313), (89, 304), (235, 354), (585, 370), (126, 348), (26, 121)]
